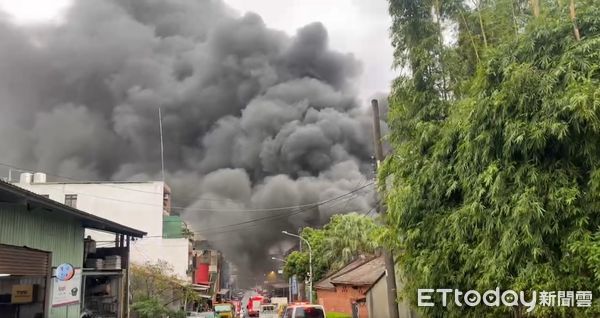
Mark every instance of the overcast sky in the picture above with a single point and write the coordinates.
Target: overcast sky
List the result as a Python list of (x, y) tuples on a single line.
[(356, 26)]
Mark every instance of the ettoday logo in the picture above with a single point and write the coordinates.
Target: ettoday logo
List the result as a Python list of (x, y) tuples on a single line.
[(508, 298)]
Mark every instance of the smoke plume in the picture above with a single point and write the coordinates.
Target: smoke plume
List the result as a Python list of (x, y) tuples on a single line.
[(253, 119)]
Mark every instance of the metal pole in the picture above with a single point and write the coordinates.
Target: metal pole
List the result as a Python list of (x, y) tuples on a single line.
[(128, 310), (310, 274), (309, 262), (300, 240), (162, 150), (387, 255)]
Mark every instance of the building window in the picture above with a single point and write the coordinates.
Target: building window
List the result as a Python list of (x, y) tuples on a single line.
[(71, 200)]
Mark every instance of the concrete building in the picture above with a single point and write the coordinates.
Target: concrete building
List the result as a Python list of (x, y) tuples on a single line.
[(143, 205), (377, 298), (37, 235), (208, 271)]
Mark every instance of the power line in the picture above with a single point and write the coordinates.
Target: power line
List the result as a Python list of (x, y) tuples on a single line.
[(243, 228), (247, 227), (357, 184), (354, 195), (113, 185), (290, 214), (370, 211), (139, 249), (211, 231), (374, 208), (314, 204), (187, 208)]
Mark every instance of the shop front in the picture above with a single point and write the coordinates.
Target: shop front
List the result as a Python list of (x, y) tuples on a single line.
[(105, 279), (24, 275), (42, 258)]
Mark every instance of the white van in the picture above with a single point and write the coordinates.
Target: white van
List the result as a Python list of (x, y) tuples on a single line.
[(304, 311), (268, 311)]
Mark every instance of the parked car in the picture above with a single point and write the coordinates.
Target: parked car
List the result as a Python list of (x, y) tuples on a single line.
[(224, 310), (305, 311), (237, 304), (268, 311)]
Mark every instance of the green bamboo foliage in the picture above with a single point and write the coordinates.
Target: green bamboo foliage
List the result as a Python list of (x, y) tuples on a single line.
[(498, 186)]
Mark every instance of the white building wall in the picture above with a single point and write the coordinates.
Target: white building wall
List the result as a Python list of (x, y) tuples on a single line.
[(138, 205), (134, 204), (377, 301), (173, 251)]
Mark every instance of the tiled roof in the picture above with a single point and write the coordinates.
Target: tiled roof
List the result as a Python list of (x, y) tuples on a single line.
[(363, 275), (326, 282)]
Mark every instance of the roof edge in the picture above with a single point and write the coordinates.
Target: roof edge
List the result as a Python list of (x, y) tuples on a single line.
[(375, 282), (48, 203)]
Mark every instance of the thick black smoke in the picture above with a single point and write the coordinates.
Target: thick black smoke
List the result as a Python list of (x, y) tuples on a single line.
[(253, 118)]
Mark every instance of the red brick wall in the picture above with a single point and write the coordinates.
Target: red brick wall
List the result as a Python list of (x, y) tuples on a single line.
[(340, 299)]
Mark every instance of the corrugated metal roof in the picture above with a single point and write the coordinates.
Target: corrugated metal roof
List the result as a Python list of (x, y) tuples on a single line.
[(365, 274), (326, 283), (14, 194)]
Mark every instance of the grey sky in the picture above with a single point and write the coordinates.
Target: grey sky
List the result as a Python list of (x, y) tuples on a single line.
[(357, 26)]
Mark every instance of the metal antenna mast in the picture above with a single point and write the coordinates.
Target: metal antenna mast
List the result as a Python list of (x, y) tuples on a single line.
[(162, 149)]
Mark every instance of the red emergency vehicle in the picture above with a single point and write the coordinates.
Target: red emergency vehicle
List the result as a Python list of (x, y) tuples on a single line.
[(254, 305)]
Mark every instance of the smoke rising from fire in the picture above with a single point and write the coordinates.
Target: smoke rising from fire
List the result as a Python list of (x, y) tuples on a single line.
[(253, 118)]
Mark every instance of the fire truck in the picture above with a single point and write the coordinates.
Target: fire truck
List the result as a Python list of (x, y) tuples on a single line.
[(253, 306)]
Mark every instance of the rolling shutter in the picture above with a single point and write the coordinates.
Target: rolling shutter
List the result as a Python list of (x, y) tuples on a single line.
[(22, 261)]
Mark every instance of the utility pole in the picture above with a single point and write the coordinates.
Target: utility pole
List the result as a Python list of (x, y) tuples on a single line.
[(387, 255)]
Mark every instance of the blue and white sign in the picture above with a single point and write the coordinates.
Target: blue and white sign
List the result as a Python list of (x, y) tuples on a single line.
[(64, 272), (294, 285), (66, 292)]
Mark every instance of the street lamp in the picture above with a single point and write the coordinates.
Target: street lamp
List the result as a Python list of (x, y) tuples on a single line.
[(310, 274), (278, 259), (289, 280)]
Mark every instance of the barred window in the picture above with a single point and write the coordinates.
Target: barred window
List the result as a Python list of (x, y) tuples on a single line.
[(71, 200)]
